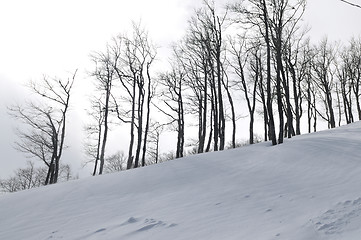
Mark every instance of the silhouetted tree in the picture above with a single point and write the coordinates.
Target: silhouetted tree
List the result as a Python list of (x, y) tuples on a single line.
[(104, 75), (43, 135)]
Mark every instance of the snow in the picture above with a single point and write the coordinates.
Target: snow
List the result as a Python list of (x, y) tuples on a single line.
[(307, 188)]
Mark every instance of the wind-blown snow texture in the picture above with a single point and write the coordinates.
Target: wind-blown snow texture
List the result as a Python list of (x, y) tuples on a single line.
[(307, 188)]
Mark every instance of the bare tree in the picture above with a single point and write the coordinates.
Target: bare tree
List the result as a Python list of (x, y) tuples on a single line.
[(344, 88), (203, 57), (133, 58), (308, 88), (44, 121), (190, 56), (173, 99), (248, 87), (94, 131), (228, 86), (256, 15), (115, 163), (213, 26), (324, 78), (104, 75), (32, 177), (25, 178), (297, 60), (276, 22), (351, 60), (155, 131)]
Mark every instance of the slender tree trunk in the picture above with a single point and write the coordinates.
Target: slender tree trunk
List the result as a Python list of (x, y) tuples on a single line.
[(264, 104), (233, 120), (296, 97), (222, 121), (339, 107), (50, 172), (98, 148), (211, 129), (309, 105), (314, 113), (271, 125), (215, 114), (279, 93), (200, 124), (140, 125), (357, 97), (180, 137), (286, 87), (146, 130), (105, 133), (56, 169), (205, 109), (132, 124), (350, 105), (226, 87), (345, 102), (330, 108)]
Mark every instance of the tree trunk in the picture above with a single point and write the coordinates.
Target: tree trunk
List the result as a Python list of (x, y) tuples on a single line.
[(264, 104), (140, 125), (210, 130), (146, 130), (271, 125), (180, 137), (105, 134), (132, 123)]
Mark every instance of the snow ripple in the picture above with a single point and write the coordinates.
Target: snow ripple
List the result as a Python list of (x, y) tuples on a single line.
[(342, 216)]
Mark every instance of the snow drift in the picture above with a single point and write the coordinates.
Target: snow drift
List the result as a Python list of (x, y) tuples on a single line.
[(307, 188)]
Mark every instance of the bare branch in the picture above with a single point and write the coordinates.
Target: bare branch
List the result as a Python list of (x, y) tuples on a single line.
[(350, 3)]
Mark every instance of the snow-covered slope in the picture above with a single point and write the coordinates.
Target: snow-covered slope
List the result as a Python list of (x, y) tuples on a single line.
[(307, 188)]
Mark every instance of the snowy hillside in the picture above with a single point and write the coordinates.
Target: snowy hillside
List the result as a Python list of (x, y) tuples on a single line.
[(307, 188)]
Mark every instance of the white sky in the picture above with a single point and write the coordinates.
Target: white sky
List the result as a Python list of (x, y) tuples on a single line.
[(55, 37)]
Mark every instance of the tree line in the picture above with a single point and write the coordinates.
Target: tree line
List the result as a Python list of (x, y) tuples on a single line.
[(257, 50)]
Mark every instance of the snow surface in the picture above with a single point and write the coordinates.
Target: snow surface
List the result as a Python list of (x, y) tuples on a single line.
[(307, 188)]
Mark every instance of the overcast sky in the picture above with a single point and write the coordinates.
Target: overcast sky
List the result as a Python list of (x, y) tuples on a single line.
[(55, 37)]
